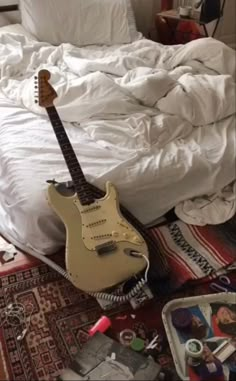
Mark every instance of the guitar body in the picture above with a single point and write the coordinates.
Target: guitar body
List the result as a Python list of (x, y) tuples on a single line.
[(90, 230)]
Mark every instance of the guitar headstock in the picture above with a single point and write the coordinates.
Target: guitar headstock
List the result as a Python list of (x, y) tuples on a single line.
[(46, 93)]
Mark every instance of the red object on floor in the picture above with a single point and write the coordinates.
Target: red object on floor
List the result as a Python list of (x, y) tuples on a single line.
[(101, 325)]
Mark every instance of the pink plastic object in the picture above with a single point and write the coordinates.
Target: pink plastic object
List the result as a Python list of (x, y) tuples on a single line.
[(102, 325)]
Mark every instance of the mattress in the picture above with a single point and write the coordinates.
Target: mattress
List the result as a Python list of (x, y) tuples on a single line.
[(158, 122)]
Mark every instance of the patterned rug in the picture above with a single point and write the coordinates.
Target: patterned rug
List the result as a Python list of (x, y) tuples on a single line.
[(196, 252), (62, 315), (60, 321)]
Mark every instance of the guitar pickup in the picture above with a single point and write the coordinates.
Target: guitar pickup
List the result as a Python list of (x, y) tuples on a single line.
[(106, 247)]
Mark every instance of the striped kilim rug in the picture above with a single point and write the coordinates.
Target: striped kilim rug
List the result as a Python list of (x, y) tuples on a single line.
[(196, 252)]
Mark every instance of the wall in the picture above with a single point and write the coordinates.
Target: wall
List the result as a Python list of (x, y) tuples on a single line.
[(11, 17), (145, 11), (227, 27)]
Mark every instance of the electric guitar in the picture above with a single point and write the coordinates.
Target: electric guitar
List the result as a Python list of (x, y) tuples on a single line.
[(102, 248)]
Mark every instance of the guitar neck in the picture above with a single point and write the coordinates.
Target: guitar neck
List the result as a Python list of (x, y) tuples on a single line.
[(78, 178)]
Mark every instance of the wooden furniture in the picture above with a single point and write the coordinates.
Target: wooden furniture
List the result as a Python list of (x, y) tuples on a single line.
[(172, 19)]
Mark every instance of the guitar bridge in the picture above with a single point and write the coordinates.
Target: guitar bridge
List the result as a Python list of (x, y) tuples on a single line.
[(106, 247)]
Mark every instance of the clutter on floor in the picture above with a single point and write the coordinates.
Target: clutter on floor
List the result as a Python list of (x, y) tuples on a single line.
[(59, 319), (103, 358), (63, 316), (201, 331)]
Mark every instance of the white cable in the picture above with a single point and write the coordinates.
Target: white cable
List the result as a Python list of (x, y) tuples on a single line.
[(147, 268), (103, 295), (15, 314)]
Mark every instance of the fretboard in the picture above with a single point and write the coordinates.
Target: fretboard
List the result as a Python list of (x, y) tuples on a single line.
[(78, 178)]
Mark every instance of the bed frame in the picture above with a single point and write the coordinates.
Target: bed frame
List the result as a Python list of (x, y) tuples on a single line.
[(9, 8)]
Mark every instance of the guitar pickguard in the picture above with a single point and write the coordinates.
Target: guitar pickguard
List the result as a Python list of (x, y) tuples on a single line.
[(102, 222)]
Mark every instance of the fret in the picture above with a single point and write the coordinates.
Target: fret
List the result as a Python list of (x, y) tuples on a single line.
[(74, 164), (67, 149), (72, 161), (53, 111), (68, 156), (59, 127), (80, 182), (55, 120), (73, 168), (63, 139)]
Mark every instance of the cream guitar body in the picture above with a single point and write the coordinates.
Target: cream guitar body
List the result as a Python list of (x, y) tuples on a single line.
[(89, 230), (100, 243)]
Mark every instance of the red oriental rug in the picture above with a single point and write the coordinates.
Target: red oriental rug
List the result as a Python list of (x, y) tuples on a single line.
[(59, 324), (62, 315)]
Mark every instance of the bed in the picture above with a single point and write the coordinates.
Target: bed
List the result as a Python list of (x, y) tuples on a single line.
[(158, 121)]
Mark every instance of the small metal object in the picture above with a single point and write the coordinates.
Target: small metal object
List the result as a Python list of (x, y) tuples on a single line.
[(194, 351), (223, 284), (143, 296), (22, 335), (132, 253), (127, 336), (153, 343)]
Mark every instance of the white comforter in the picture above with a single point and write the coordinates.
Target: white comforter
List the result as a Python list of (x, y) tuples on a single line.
[(157, 121)]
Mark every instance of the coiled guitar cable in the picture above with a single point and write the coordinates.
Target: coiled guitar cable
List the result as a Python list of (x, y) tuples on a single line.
[(134, 291), (111, 297)]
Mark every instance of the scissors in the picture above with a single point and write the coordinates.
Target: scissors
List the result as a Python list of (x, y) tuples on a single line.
[(223, 284)]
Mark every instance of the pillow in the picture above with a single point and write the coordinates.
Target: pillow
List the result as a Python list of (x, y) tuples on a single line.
[(80, 22)]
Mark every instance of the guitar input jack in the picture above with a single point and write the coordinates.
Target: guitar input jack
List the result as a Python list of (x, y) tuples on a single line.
[(133, 292)]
